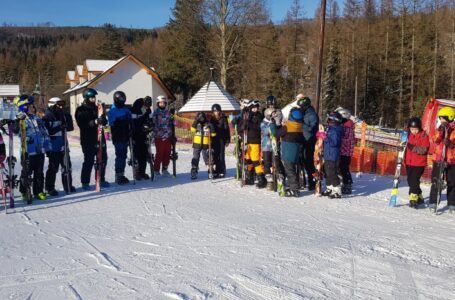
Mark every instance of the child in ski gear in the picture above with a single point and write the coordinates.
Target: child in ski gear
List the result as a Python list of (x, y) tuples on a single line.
[(57, 121), (204, 133), (416, 159), (163, 132), (140, 114), (347, 149), (220, 140), (253, 153), (37, 144), (291, 135), (120, 122), (310, 127), (87, 120), (266, 145), (236, 123), (332, 149), (444, 140)]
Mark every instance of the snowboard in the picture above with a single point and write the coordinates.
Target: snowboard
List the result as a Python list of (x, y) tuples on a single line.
[(396, 179), (318, 176)]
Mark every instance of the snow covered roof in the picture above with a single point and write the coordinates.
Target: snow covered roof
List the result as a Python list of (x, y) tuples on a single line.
[(79, 69), (9, 90), (208, 95), (71, 75), (78, 86), (97, 65)]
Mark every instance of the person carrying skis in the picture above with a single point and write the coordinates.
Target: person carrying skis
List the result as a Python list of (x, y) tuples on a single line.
[(220, 141), (310, 128), (347, 149), (57, 121), (291, 136), (416, 159), (87, 119), (37, 144), (120, 122), (253, 146), (444, 138), (140, 114), (204, 132), (266, 146), (162, 120), (332, 150)]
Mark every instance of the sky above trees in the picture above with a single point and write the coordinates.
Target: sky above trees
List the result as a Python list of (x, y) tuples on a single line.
[(135, 13)]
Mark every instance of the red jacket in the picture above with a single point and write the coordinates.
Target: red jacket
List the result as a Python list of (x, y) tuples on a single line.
[(439, 140), (417, 149), (348, 139)]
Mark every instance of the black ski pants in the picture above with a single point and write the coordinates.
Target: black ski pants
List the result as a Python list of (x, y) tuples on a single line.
[(140, 155), (413, 176), (345, 161), (56, 159), (308, 160), (331, 173), (267, 158), (450, 175), (291, 175), (219, 153), (196, 156), (90, 152), (35, 169)]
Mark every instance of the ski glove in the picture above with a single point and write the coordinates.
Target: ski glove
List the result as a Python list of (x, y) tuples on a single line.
[(443, 126), (420, 150), (411, 147)]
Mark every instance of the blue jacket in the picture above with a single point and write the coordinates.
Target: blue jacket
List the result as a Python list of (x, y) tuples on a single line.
[(332, 144), (54, 119), (37, 138), (291, 140), (121, 124), (310, 124), (266, 142)]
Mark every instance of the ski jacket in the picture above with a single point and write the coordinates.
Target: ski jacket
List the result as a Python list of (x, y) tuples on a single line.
[(2, 149), (252, 123), (142, 121), (201, 137), (221, 127), (439, 140), (163, 122), (332, 143), (348, 139), (417, 149), (85, 116), (291, 140), (121, 124), (37, 137), (310, 124), (55, 120), (266, 141)]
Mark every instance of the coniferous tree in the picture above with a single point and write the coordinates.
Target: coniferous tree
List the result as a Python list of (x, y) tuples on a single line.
[(110, 46)]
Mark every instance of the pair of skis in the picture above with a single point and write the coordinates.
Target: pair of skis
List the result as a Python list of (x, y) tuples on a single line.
[(396, 179), (174, 154), (99, 154), (8, 180), (26, 178), (278, 177)]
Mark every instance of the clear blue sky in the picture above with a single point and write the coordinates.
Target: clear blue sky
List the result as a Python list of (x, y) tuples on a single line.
[(133, 13)]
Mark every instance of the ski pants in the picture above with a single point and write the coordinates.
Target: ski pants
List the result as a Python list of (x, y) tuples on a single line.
[(219, 153), (90, 152), (36, 166), (253, 158), (267, 158), (450, 175), (56, 159), (196, 156), (345, 161), (308, 160), (331, 173), (163, 154), (140, 155), (413, 177), (121, 151), (291, 175)]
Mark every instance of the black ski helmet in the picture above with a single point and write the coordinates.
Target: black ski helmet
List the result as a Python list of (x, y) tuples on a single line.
[(148, 101), (304, 102), (334, 117), (119, 99), (201, 117), (216, 107), (415, 122), (89, 93), (271, 101)]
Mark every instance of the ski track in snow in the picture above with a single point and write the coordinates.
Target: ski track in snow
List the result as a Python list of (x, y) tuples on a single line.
[(197, 240)]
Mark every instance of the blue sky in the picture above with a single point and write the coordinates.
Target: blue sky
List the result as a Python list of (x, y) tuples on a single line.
[(133, 13)]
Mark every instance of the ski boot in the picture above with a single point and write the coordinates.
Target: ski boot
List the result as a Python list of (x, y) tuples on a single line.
[(328, 191), (85, 187), (52, 193), (165, 173), (41, 196), (261, 181), (336, 193), (104, 184), (138, 176), (269, 179), (221, 175), (193, 173), (26, 198), (292, 193), (420, 200), (413, 200), (346, 189), (145, 176), (120, 179), (432, 207), (249, 178)]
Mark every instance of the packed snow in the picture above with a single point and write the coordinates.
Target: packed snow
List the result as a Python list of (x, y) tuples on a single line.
[(182, 239)]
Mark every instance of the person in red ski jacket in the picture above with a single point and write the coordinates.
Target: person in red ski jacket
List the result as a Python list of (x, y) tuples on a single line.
[(347, 148), (416, 159)]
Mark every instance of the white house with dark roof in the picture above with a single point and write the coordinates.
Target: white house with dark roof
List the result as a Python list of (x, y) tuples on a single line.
[(127, 74), (9, 91)]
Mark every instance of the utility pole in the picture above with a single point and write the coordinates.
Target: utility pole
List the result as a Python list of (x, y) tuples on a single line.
[(321, 54)]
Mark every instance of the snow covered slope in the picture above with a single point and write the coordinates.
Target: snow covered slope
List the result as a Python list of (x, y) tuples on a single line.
[(182, 239)]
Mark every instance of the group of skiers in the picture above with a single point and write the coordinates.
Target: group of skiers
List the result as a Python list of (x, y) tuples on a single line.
[(45, 134)]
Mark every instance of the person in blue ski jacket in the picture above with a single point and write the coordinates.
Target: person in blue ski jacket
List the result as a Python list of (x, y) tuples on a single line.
[(38, 143), (332, 152), (120, 122), (56, 121)]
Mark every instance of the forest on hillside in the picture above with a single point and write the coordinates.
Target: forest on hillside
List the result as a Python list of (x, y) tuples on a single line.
[(397, 52)]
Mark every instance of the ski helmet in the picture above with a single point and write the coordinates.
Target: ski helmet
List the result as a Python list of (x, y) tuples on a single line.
[(119, 99), (303, 102), (345, 113), (268, 113), (334, 117), (271, 101), (216, 107), (161, 98), (447, 112), (148, 101), (255, 103), (23, 101), (55, 100), (201, 117), (415, 123), (89, 93), (296, 115)]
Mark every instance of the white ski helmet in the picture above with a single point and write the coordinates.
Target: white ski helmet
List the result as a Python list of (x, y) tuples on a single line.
[(53, 101), (161, 98), (344, 112)]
